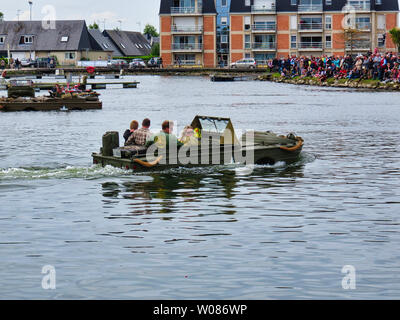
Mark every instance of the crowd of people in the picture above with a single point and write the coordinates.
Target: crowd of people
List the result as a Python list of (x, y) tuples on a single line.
[(373, 65), (136, 137)]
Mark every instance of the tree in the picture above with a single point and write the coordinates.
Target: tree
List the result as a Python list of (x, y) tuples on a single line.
[(155, 50), (1, 16), (395, 35), (150, 30), (94, 26)]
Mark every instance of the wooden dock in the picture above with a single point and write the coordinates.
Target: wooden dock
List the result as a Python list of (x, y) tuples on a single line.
[(94, 86)]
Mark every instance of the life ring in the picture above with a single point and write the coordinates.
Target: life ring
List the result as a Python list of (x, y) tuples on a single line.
[(90, 70), (299, 144), (4, 74)]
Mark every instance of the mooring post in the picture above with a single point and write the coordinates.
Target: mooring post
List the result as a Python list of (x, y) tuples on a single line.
[(110, 142)]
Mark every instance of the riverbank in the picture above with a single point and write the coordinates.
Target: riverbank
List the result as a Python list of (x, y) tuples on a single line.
[(11, 73), (331, 82)]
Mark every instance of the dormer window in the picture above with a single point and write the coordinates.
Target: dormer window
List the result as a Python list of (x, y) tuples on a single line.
[(64, 39), (122, 45), (105, 45), (2, 39), (26, 40)]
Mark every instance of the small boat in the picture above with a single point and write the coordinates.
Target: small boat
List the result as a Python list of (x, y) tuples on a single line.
[(21, 97), (217, 145), (228, 78)]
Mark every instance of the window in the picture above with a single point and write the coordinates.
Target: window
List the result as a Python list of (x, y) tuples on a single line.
[(224, 21), (26, 40), (247, 3), (293, 2), (381, 40), (224, 39), (64, 39), (328, 42), (105, 45), (293, 22), (293, 42), (70, 56), (2, 39), (328, 22), (224, 3), (328, 2), (378, 2), (123, 46), (247, 43), (247, 23)]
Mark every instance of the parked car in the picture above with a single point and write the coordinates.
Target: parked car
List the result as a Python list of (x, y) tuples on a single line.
[(119, 63), (137, 63), (28, 63), (48, 62), (245, 63), (153, 62)]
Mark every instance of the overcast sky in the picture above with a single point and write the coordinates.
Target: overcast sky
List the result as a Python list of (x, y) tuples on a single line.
[(133, 14)]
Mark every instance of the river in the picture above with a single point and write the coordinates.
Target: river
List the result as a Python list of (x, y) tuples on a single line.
[(282, 232)]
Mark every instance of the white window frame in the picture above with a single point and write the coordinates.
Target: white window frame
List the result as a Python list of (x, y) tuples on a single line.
[(70, 55)]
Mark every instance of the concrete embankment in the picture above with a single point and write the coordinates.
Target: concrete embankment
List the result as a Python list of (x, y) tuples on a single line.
[(341, 83)]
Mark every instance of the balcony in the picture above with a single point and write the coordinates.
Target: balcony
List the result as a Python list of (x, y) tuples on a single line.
[(359, 45), (264, 27), (310, 46), (358, 5), (263, 9), (310, 8), (186, 29), (310, 27), (186, 10), (187, 47), (264, 46), (363, 26)]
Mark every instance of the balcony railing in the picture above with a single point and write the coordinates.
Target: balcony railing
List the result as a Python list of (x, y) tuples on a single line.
[(185, 62), (363, 26), (268, 26), (359, 44), (310, 8), (264, 45), (310, 26), (187, 46), (187, 29), (359, 5), (186, 10), (310, 45), (264, 9)]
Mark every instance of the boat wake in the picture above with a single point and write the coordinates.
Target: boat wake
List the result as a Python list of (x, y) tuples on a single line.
[(70, 172)]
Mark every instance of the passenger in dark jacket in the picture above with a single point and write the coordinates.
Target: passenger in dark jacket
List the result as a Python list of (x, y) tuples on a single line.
[(134, 125)]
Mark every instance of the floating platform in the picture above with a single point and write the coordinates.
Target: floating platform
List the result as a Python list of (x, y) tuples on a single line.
[(50, 104), (94, 86), (228, 78)]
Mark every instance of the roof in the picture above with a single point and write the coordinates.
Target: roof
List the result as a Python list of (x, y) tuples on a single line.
[(105, 43), (238, 6), (129, 43), (74, 32), (208, 6)]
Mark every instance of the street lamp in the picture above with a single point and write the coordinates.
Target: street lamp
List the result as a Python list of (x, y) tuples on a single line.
[(30, 9)]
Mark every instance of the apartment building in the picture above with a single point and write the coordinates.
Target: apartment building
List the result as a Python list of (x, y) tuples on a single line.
[(264, 29), (188, 32)]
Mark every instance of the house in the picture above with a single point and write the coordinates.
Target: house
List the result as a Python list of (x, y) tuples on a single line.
[(105, 43), (129, 43), (264, 29), (188, 32), (201, 32), (69, 41)]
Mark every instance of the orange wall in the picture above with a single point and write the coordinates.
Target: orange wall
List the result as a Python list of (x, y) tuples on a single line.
[(282, 22), (338, 41), (236, 56), (391, 22), (237, 42), (209, 60), (165, 24), (337, 21), (283, 41), (167, 59), (166, 42), (237, 23), (209, 43), (209, 24)]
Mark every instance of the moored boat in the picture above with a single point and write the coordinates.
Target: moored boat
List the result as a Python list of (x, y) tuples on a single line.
[(217, 145)]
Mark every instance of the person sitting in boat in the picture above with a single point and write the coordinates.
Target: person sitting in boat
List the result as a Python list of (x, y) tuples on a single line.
[(140, 136), (132, 128), (165, 138), (188, 138)]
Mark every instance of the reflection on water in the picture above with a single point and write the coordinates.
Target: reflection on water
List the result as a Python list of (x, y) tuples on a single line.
[(283, 231)]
